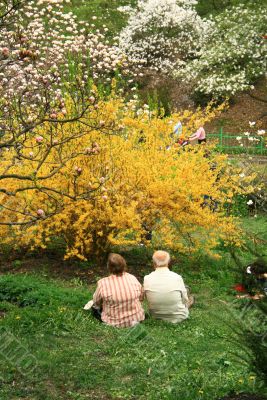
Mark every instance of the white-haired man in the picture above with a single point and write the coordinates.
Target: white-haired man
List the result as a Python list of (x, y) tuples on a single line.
[(165, 291)]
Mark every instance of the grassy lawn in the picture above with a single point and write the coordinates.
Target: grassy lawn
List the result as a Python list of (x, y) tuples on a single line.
[(73, 356), (105, 11)]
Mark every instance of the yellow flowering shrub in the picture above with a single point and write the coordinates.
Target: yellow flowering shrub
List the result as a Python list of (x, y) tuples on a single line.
[(120, 176)]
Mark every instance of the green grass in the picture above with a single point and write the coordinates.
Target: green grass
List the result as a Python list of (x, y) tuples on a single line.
[(207, 7), (107, 14), (105, 11), (79, 358)]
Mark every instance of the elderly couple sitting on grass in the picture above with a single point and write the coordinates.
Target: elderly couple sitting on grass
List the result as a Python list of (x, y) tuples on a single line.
[(117, 299)]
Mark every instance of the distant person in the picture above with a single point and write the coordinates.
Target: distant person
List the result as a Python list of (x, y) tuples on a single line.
[(256, 277), (117, 299), (178, 129), (165, 291), (254, 281), (200, 135)]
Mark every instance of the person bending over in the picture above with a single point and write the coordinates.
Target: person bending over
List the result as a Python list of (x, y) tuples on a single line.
[(165, 291), (200, 135), (117, 299)]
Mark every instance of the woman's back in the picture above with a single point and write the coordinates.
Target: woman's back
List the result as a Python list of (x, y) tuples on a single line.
[(121, 296)]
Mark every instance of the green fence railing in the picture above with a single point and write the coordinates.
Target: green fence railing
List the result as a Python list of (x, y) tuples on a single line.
[(228, 143)]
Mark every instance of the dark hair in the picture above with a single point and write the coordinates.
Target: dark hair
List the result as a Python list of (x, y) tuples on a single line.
[(116, 264), (258, 267)]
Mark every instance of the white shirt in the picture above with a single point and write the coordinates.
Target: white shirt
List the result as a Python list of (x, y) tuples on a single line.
[(166, 295)]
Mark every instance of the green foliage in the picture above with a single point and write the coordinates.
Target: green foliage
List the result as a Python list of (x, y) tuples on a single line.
[(159, 100), (239, 207), (26, 290), (105, 11), (256, 341), (208, 7)]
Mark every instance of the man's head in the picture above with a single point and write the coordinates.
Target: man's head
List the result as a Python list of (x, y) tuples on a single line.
[(161, 259)]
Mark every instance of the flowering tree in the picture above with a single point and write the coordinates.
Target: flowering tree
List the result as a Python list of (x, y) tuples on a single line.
[(48, 62), (233, 57), (136, 180), (218, 57), (162, 33)]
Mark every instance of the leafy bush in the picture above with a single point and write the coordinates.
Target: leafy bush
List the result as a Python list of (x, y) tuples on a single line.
[(136, 180)]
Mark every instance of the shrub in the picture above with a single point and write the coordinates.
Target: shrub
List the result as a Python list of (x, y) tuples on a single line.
[(136, 180)]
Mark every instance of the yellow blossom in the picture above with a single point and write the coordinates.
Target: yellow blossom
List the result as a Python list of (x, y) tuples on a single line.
[(149, 185)]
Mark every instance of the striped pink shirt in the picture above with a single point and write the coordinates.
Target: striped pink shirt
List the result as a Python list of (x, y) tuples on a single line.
[(120, 298)]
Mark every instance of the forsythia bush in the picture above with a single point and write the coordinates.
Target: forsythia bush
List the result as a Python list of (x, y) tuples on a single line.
[(123, 179)]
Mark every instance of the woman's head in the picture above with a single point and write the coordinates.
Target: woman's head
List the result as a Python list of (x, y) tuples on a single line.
[(116, 264)]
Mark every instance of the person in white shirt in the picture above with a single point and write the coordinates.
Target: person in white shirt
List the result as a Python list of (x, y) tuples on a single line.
[(165, 291)]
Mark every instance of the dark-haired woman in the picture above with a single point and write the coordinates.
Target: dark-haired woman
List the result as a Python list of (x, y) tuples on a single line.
[(118, 297)]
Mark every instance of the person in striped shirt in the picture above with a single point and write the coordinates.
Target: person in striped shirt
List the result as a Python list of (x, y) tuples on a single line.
[(118, 297)]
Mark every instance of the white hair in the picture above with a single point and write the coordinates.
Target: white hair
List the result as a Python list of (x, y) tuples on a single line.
[(161, 258)]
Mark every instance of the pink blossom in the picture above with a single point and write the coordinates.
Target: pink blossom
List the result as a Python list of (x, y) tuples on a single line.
[(40, 213), (78, 170), (5, 51), (39, 139)]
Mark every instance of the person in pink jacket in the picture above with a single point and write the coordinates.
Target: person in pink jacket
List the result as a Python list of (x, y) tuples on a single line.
[(200, 135)]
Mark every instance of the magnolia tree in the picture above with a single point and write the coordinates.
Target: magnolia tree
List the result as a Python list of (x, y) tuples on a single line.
[(233, 57), (47, 63), (162, 33)]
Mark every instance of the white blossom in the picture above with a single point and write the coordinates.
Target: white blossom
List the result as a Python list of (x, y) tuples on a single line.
[(161, 33), (232, 57)]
